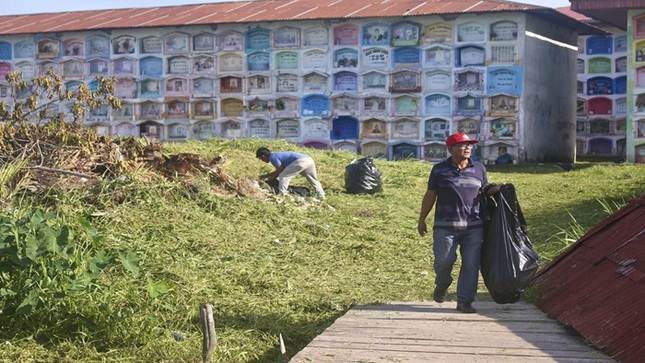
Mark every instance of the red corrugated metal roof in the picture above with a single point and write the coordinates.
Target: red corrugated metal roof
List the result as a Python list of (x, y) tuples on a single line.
[(257, 11), (572, 14), (612, 12), (597, 286)]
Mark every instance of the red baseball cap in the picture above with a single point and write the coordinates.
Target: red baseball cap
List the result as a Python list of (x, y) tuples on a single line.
[(459, 138)]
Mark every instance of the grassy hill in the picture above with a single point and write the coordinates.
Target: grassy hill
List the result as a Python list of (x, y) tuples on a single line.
[(120, 266)]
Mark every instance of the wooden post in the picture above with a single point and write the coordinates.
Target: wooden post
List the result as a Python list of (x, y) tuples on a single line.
[(283, 350), (208, 328)]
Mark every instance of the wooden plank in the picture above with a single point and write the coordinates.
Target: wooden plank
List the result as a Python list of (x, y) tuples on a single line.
[(429, 350), (504, 340), (431, 332), (421, 323), (485, 311), (414, 357), (450, 333)]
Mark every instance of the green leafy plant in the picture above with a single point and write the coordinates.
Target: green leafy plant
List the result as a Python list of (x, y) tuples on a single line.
[(41, 264)]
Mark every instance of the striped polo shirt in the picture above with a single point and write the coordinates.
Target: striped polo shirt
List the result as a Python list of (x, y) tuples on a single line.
[(457, 205)]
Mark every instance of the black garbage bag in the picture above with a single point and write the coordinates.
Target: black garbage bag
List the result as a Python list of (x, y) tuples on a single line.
[(362, 177), (292, 189), (508, 261)]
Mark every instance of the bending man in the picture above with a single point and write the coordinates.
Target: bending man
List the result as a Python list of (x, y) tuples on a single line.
[(287, 165)]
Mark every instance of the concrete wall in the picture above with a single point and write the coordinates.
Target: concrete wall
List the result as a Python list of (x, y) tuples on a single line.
[(635, 114), (549, 95), (540, 78)]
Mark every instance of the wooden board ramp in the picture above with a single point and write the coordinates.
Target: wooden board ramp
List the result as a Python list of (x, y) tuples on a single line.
[(432, 332)]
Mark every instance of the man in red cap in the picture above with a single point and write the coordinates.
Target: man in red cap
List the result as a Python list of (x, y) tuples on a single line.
[(454, 185)]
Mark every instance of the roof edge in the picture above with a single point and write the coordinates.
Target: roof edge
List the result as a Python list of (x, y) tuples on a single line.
[(582, 27)]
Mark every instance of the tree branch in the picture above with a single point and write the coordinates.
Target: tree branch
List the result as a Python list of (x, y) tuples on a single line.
[(51, 170)]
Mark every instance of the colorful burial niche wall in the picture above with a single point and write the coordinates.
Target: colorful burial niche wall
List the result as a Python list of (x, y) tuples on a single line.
[(602, 87), (395, 89)]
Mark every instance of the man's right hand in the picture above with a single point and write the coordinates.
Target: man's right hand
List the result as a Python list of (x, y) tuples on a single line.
[(422, 228)]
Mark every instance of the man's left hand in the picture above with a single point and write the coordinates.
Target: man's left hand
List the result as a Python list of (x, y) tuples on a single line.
[(495, 189)]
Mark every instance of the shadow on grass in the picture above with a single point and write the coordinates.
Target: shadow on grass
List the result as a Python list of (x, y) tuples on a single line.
[(538, 168), (296, 335)]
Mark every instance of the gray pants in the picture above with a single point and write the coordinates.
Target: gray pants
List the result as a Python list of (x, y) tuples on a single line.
[(305, 167)]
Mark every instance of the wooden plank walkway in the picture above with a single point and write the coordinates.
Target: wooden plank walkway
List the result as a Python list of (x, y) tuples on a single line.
[(432, 332)]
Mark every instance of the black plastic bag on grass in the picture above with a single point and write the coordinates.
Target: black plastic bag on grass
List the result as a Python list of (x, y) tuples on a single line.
[(362, 177), (508, 261), (292, 189)]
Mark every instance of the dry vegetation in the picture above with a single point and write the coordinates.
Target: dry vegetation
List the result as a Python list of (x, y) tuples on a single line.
[(69, 155)]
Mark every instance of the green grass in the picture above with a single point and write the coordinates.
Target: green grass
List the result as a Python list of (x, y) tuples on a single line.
[(272, 267)]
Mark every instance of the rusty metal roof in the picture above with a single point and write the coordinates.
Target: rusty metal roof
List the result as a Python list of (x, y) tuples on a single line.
[(587, 20), (597, 286), (572, 14), (612, 12), (263, 11)]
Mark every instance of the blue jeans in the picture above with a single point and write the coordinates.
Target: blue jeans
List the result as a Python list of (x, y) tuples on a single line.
[(445, 245)]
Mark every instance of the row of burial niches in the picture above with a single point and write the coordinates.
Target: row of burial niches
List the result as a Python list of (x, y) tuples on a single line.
[(467, 93), (439, 55), (372, 137), (602, 106), (602, 65), (600, 145), (263, 61), (603, 44), (287, 65), (461, 82), (439, 106), (264, 50), (341, 128), (497, 152), (594, 126), (196, 40)]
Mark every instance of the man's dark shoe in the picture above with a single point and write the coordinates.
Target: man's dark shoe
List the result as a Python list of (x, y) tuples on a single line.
[(439, 295), (466, 307)]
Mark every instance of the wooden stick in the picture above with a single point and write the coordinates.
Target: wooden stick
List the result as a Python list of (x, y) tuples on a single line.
[(61, 171), (208, 327), (283, 350)]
